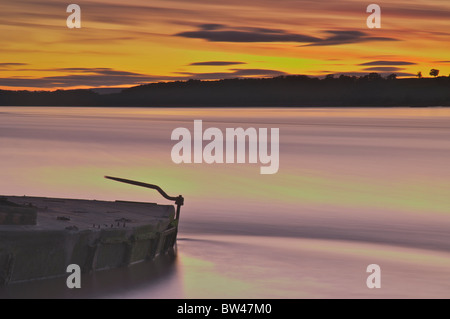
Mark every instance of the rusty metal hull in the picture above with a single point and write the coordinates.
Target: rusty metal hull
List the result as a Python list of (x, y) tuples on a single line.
[(96, 235)]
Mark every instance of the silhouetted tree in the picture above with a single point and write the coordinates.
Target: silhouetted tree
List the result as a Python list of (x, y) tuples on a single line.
[(434, 72), (329, 77), (419, 75), (392, 76), (344, 77), (374, 76)]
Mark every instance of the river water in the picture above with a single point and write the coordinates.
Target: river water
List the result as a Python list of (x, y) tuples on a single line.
[(355, 187)]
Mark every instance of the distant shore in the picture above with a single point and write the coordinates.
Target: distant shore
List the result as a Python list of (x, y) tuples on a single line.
[(371, 90)]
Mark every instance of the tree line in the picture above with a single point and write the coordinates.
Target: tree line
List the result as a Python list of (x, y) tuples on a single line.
[(293, 90)]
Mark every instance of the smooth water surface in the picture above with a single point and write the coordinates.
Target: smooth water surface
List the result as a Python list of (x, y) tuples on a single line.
[(355, 187)]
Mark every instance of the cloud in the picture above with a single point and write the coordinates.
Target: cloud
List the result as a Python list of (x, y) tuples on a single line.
[(388, 63), (211, 26), (93, 77), (384, 69), (235, 73), (8, 65), (215, 63), (12, 64), (99, 71), (263, 72), (106, 77), (337, 37), (381, 73), (129, 14), (424, 10), (221, 33)]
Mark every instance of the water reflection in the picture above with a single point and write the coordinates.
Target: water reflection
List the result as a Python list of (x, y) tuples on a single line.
[(105, 284), (223, 266), (355, 187)]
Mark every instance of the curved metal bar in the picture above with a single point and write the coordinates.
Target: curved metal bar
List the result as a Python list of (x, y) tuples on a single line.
[(128, 181), (179, 201)]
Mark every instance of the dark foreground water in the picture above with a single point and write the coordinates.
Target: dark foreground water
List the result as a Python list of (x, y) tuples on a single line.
[(355, 187)]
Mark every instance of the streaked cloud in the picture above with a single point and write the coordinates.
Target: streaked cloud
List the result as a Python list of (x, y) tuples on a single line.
[(215, 63), (95, 77), (383, 69), (388, 63), (211, 26), (384, 74), (234, 73), (337, 37), (221, 33), (105, 77), (12, 64)]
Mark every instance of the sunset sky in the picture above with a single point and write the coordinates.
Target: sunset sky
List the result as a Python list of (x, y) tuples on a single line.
[(126, 43)]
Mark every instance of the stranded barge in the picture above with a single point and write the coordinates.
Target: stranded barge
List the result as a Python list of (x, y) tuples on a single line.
[(40, 237)]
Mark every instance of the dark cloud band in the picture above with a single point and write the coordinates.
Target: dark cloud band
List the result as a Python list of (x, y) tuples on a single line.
[(384, 69), (216, 63), (106, 77), (387, 63), (221, 33)]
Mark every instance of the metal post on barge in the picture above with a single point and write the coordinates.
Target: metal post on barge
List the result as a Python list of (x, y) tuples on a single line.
[(179, 200)]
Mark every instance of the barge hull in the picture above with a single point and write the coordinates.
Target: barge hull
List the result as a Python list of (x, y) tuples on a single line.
[(95, 235)]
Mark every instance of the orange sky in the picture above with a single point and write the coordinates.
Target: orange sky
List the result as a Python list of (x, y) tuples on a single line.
[(133, 42)]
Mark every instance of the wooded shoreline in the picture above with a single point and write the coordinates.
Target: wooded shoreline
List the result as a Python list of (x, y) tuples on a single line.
[(371, 90)]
